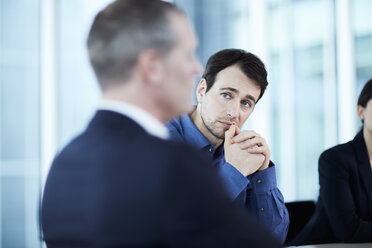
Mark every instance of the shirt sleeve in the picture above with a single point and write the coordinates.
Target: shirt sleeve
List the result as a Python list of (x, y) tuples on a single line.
[(266, 202), (235, 182)]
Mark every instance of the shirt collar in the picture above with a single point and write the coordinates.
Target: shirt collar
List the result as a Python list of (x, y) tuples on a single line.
[(192, 134), (143, 118)]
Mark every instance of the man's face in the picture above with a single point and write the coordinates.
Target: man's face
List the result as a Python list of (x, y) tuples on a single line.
[(181, 68), (229, 101)]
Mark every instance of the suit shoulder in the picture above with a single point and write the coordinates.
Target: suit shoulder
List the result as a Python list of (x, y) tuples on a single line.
[(338, 151), (172, 146), (338, 158)]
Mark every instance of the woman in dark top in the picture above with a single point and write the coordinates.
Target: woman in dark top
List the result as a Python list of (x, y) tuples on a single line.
[(344, 208)]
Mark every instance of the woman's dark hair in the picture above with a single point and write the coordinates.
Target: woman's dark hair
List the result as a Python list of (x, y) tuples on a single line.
[(366, 94)]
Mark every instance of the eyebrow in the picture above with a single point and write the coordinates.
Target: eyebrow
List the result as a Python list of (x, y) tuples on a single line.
[(237, 91)]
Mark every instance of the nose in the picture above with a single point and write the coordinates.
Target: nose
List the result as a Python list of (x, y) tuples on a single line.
[(233, 109)]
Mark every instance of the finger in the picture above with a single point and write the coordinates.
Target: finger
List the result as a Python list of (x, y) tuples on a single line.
[(237, 132), (264, 150), (257, 149), (257, 141), (245, 135), (229, 134)]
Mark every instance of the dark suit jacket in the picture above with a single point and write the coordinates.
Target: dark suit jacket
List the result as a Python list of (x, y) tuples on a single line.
[(344, 208), (117, 186)]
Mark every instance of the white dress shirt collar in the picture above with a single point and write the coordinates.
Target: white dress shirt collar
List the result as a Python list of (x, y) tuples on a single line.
[(143, 118)]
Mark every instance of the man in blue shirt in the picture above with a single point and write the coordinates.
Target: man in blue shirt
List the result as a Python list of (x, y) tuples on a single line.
[(232, 84)]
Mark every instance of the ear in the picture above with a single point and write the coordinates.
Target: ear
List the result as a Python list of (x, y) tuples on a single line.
[(201, 90), (151, 67), (360, 111)]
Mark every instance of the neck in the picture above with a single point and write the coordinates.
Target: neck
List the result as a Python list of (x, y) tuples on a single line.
[(198, 122), (368, 139)]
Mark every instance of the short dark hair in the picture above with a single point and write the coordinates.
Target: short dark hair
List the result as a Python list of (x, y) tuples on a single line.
[(366, 94), (249, 63), (125, 28)]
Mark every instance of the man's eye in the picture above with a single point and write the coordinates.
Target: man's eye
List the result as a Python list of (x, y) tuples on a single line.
[(246, 104), (226, 95)]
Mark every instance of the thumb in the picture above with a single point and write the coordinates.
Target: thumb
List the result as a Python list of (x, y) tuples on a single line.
[(237, 130), (229, 134)]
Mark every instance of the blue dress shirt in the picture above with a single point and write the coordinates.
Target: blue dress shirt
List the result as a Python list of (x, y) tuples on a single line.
[(258, 192)]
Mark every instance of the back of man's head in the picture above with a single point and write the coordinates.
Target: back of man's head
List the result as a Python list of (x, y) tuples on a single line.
[(249, 64), (122, 30)]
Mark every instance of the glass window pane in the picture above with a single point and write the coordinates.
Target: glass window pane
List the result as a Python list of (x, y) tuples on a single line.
[(19, 122), (12, 112), (362, 31), (12, 212)]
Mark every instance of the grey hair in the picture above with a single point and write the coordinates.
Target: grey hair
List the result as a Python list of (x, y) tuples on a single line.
[(122, 30)]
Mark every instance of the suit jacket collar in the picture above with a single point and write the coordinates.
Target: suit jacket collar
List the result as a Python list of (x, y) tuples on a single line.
[(145, 119), (113, 121), (360, 148), (364, 166)]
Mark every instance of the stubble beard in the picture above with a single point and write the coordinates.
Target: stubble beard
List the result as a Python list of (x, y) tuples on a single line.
[(210, 129)]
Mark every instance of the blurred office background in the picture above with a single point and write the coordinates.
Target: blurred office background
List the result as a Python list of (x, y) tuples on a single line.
[(318, 54)]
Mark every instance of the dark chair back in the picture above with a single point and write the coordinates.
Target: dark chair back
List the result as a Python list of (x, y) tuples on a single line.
[(300, 213)]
